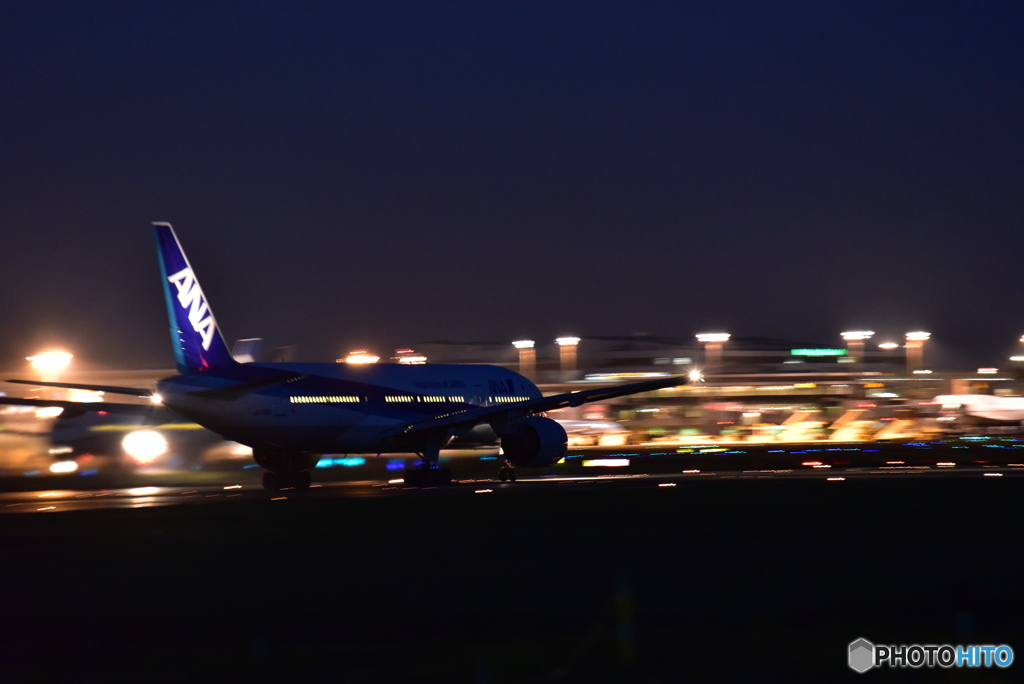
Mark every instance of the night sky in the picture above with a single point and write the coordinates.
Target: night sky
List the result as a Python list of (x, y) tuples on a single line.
[(379, 174)]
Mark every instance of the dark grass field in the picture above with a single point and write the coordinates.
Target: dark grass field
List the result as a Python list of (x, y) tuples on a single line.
[(709, 581)]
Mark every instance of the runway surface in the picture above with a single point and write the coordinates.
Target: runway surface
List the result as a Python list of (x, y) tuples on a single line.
[(57, 500), (588, 576)]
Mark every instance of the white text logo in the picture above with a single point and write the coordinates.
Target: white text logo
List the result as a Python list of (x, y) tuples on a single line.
[(191, 297), (864, 655)]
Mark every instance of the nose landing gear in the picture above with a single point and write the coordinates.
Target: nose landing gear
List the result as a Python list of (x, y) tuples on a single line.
[(507, 472)]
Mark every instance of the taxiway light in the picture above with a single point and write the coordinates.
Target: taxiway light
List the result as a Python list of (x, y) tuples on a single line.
[(145, 491)]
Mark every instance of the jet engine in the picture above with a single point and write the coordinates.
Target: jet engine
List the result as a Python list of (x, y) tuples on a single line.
[(534, 442)]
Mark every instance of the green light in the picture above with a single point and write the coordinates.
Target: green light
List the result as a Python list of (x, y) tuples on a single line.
[(817, 352)]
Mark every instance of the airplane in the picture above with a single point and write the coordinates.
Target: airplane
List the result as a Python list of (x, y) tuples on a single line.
[(292, 413), (984, 406)]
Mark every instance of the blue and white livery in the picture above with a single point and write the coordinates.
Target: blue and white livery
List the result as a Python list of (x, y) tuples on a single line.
[(291, 413)]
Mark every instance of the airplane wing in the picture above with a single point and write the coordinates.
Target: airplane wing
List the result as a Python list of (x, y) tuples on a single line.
[(132, 391), (82, 406), (490, 414)]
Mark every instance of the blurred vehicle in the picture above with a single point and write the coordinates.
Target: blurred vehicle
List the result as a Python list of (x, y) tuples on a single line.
[(983, 406), (100, 440), (594, 432)]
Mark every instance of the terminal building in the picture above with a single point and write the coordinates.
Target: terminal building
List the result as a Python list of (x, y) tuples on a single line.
[(752, 389)]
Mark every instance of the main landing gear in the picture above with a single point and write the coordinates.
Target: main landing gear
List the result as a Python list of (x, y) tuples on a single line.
[(285, 470), (425, 476), (507, 472), (428, 474), (273, 482)]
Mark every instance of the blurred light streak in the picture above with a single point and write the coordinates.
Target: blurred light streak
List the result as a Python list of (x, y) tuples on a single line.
[(606, 462), (50, 361), (361, 356), (145, 446)]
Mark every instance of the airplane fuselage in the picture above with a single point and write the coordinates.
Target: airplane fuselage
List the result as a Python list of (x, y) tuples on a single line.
[(334, 408)]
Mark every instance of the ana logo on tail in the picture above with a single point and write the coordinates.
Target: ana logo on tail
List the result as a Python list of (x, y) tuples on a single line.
[(191, 297)]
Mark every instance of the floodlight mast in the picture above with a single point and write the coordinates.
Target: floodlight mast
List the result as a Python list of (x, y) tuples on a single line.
[(713, 343), (855, 343), (567, 353), (915, 350), (50, 364), (527, 358)]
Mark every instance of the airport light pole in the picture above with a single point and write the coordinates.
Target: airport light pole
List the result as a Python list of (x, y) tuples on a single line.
[(1019, 356), (527, 358), (713, 347), (49, 364), (567, 353), (915, 350), (855, 343), (361, 356)]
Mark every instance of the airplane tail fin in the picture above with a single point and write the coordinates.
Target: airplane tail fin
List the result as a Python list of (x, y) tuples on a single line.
[(198, 344)]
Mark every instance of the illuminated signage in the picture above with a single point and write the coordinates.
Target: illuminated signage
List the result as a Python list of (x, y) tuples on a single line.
[(817, 352)]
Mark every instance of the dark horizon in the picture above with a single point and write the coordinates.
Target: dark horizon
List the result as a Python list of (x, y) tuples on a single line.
[(379, 176)]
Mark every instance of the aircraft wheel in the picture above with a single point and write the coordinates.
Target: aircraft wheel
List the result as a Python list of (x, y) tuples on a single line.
[(413, 477), (503, 474), (441, 477), (511, 474), (271, 481), (428, 477)]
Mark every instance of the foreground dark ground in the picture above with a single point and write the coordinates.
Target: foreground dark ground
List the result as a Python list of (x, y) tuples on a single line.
[(704, 581)]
